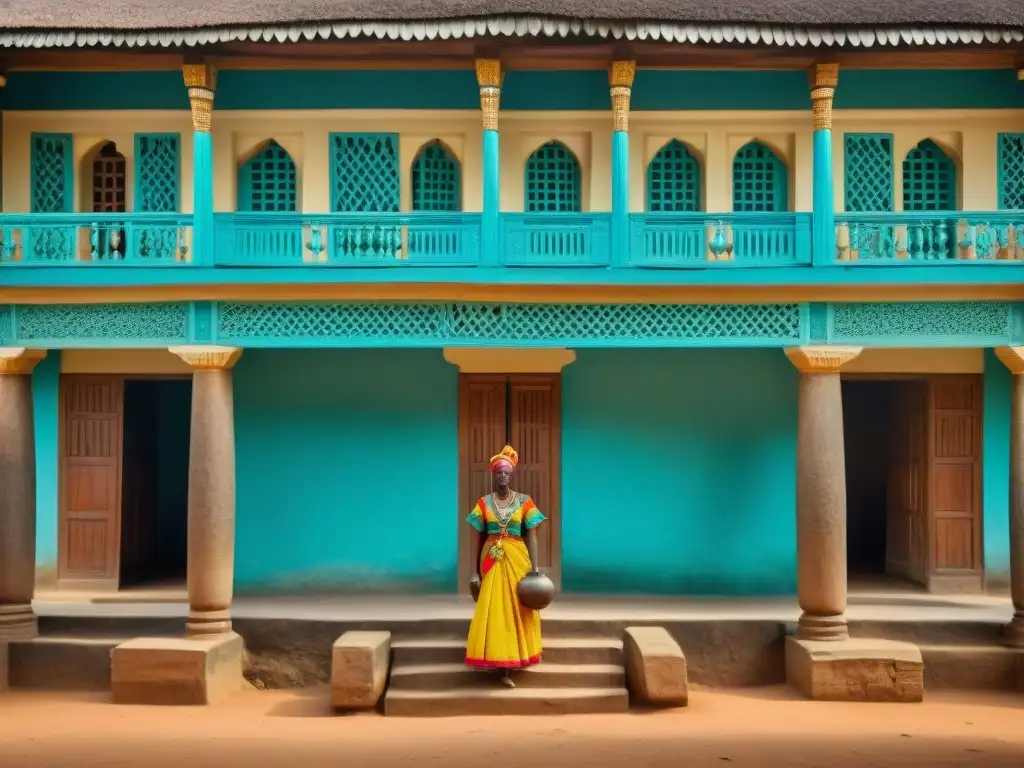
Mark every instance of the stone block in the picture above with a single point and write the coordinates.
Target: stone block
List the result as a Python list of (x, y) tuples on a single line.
[(655, 667), (165, 670), (359, 669), (856, 669)]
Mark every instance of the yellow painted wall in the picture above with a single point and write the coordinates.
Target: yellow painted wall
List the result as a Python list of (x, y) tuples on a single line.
[(917, 361), (969, 136), (156, 362)]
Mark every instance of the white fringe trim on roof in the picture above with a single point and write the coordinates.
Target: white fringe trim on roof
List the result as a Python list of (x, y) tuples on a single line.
[(520, 26)]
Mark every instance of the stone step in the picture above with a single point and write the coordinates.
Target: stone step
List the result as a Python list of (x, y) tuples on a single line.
[(431, 677), (505, 701), (62, 663), (969, 667), (557, 650)]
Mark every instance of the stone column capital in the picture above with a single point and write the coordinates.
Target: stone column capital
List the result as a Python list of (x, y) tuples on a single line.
[(821, 359), (19, 360), (1012, 358), (201, 81), (489, 76), (620, 78), (208, 358), (824, 79)]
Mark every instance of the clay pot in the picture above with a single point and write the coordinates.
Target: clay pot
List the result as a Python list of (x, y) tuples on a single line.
[(536, 591), (474, 589)]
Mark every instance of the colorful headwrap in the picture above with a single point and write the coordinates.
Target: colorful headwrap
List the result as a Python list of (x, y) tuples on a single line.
[(507, 459)]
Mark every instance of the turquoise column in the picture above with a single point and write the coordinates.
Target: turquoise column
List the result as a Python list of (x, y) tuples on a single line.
[(200, 79), (620, 77), (824, 78), (488, 76)]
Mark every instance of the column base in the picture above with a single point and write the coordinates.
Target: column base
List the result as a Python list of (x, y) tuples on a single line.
[(201, 624), (165, 670), (829, 628), (855, 670), (1013, 633), (18, 622)]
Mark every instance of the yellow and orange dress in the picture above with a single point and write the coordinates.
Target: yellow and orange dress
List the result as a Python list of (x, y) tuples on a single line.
[(504, 634)]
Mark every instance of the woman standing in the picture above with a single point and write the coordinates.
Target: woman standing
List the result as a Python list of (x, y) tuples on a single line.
[(504, 634)]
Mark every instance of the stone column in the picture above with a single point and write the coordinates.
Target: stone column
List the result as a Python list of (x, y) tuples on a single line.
[(17, 494), (1013, 358), (821, 492), (201, 81), (489, 78), (211, 490), (620, 78), (824, 79)]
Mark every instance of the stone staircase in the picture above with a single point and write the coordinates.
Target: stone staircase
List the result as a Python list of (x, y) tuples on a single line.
[(579, 675)]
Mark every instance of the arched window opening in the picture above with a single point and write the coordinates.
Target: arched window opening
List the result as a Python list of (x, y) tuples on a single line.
[(759, 180), (673, 180), (436, 180), (268, 181), (109, 180), (929, 179), (553, 180)]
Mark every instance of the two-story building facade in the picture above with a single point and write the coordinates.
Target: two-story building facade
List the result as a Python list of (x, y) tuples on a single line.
[(745, 292)]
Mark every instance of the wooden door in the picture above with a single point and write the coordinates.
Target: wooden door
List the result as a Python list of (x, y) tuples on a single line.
[(954, 483), (525, 411), (906, 515), (90, 482), (535, 424)]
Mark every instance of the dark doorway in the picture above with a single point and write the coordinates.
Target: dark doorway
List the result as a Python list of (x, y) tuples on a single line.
[(154, 488), (866, 410)]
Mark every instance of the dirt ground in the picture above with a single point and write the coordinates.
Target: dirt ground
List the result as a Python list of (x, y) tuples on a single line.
[(762, 727)]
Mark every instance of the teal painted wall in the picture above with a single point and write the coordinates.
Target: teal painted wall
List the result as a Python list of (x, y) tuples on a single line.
[(46, 401), (346, 470), (996, 471), (679, 472), (457, 89)]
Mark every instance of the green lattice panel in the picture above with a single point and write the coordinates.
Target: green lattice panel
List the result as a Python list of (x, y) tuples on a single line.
[(364, 173), (268, 181), (436, 180), (929, 179), (673, 179), (868, 172), (1011, 171), (553, 180), (894, 324), (157, 172), (89, 324), (759, 180), (530, 324), (51, 173)]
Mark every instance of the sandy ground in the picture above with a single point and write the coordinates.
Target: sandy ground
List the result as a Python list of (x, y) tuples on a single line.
[(762, 727)]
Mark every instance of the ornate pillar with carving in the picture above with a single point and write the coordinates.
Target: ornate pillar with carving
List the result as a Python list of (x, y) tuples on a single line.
[(620, 78), (821, 492), (17, 494), (489, 77), (211, 490), (824, 78), (201, 81), (1013, 358)]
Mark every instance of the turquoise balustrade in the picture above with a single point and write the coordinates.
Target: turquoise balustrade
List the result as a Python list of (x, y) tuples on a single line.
[(347, 239), (929, 237), (701, 240), (135, 239), (555, 239)]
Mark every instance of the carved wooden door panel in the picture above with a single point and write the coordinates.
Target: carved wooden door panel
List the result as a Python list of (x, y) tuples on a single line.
[(482, 426), (954, 469), (90, 482), (525, 411), (535, 409), (905, 550)]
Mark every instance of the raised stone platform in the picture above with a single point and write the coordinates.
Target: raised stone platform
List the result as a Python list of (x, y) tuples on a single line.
[(164, 670), (359, 669), (856, 669), (655, 667)]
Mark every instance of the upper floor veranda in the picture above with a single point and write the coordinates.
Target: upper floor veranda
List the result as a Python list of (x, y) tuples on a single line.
[(526, 163)]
